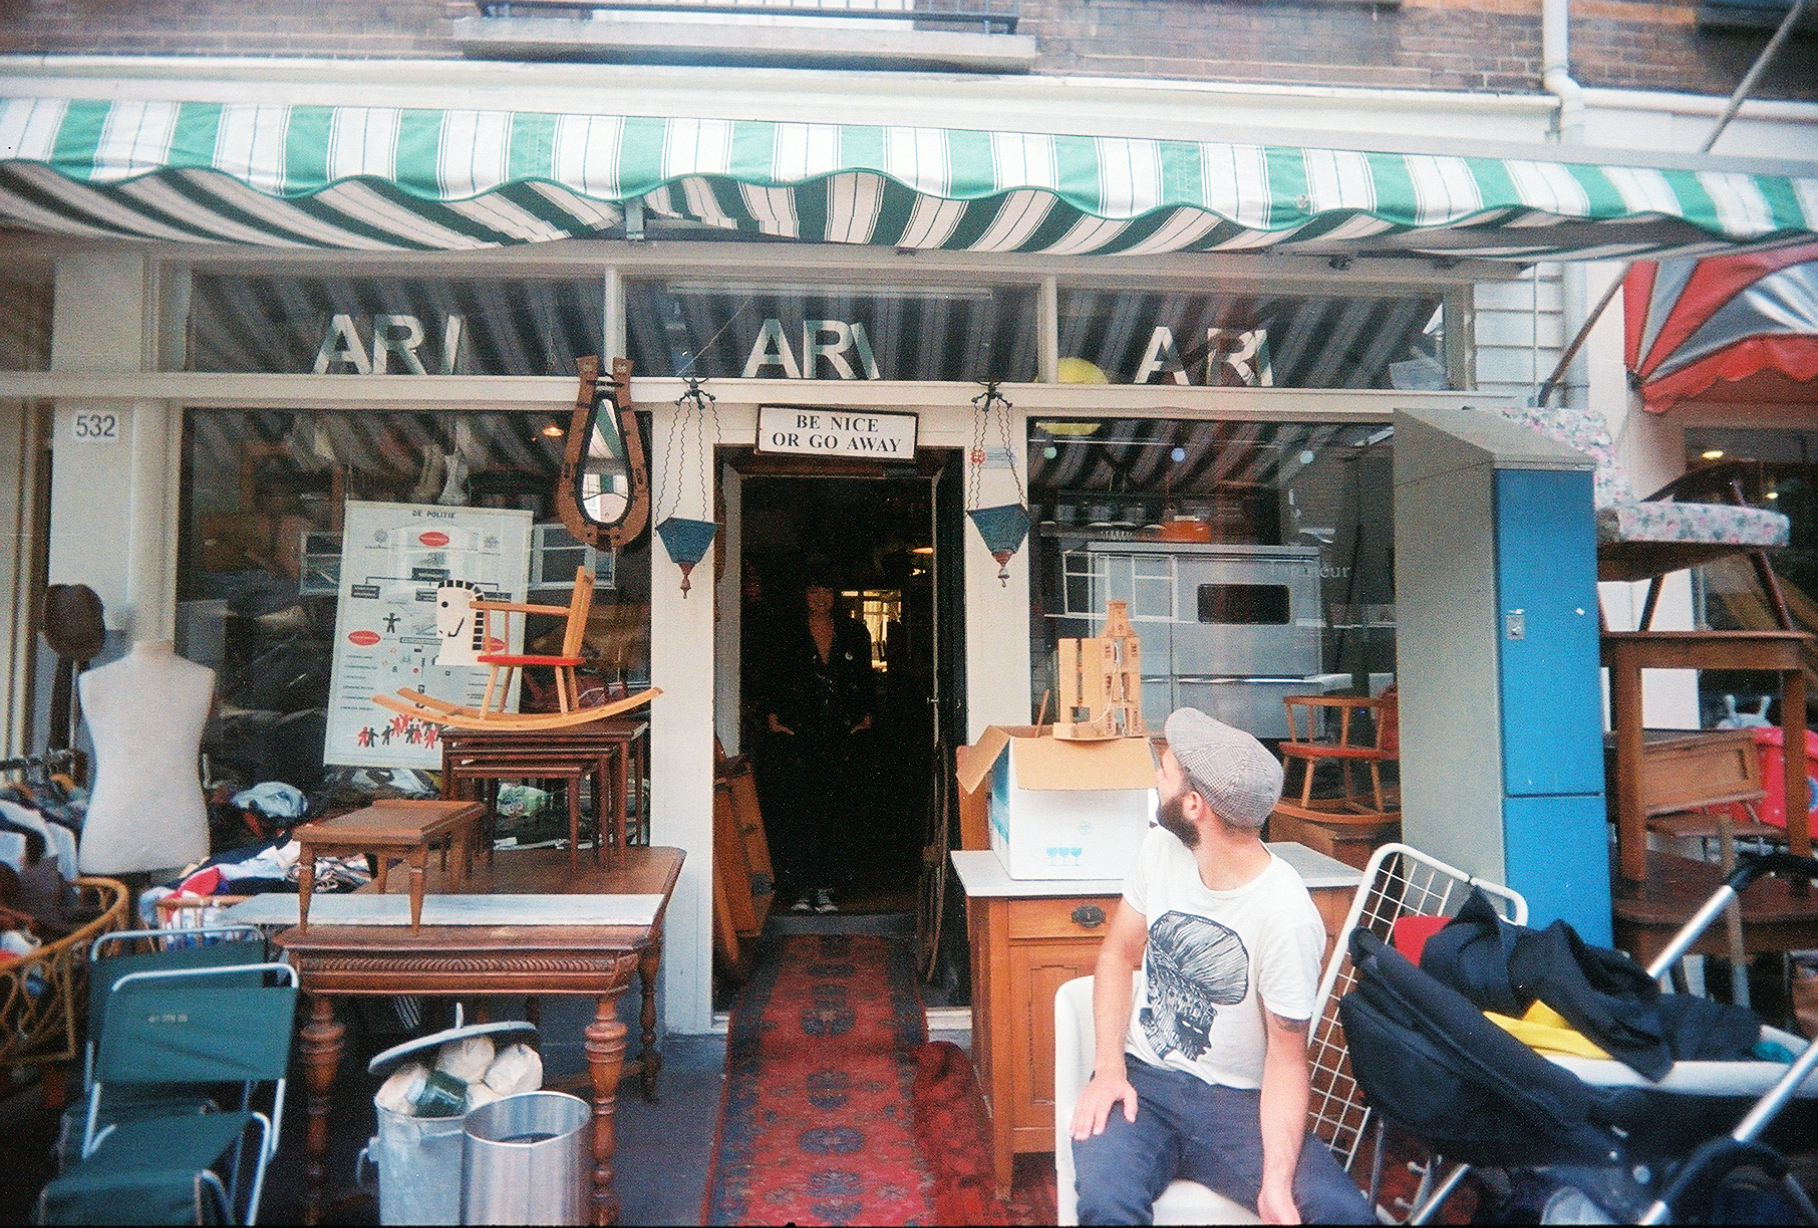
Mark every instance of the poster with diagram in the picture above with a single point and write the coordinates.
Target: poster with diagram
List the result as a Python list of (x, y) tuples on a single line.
[(395, 560)]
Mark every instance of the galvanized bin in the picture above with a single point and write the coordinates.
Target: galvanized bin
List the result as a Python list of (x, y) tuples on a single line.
[(419, 1158), (527, 1159)]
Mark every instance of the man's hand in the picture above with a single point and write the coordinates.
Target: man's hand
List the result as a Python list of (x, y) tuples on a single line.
[(862, 725), (777, 726), (1093, 1109), (1275, 1205)]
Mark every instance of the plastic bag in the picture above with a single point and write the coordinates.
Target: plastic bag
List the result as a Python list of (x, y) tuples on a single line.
[(466, 1059), (517, 1068)]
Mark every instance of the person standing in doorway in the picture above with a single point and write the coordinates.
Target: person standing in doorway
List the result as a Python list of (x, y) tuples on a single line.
[(821, 700)]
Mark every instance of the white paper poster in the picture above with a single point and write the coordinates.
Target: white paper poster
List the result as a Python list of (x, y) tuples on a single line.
[(394, 558)]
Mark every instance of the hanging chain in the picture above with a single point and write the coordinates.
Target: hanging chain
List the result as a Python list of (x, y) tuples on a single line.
[(691, 411), (981, 415)]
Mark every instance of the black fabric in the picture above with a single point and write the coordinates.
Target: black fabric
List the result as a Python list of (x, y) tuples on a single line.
[(816, 772), (1503, 967), (1427, 1059)]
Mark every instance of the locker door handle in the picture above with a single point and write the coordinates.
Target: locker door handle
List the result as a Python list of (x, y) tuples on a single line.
[(1090, 916)]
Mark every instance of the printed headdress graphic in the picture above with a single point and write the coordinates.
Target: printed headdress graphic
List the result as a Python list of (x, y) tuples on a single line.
[(1194, 966)]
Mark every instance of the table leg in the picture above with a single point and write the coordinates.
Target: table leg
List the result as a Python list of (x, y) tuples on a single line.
[(1626, 717), (605, 1059), (416, 859), (320, 1044), (621, 791), (573, 786), (650, 963), (306, 884)]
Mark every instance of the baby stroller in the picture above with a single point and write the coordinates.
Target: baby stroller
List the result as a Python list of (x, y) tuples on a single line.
[(1600, 1142)]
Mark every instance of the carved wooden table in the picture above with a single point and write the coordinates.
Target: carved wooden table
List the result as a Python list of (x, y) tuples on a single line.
[(397, 830), (462, 961)]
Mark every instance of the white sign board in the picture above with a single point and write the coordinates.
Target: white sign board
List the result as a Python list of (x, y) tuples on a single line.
[(836, 432), (394, 557)]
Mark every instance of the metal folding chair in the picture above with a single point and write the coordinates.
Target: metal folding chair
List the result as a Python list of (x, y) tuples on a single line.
[(177, 1028), (175, 950)]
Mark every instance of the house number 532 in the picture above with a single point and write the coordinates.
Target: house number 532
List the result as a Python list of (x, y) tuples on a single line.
[(95, 428)]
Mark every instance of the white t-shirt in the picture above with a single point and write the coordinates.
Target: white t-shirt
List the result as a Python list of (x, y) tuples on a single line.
[(1211, 955)]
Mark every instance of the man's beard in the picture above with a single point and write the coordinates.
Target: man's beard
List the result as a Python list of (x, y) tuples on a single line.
[(1172, 814)]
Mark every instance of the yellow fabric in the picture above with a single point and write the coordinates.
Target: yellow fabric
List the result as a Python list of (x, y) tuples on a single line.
[(1544, 1029)]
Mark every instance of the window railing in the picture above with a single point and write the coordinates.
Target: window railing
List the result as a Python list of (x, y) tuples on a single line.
[(984, 16)]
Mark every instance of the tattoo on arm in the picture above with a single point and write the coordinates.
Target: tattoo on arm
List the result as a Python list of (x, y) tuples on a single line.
[(1290, 1025)]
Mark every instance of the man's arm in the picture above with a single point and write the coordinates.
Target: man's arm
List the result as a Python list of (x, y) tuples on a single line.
[(1121, 955), (1285, 1095)]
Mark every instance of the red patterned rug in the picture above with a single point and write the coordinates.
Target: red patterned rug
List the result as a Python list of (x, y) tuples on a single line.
[(953, 1131), (815, 1126)]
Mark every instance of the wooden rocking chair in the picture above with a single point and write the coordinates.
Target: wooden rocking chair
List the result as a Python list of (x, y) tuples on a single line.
[(503, 665)]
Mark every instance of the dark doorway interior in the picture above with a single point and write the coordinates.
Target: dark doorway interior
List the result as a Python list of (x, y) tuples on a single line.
[(875, 537)]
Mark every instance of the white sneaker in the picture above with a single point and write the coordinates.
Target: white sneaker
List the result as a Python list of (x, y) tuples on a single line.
[(823, 901), (802, 904)]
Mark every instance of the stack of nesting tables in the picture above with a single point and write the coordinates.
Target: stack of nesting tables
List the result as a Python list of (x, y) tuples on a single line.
[(612, 752)]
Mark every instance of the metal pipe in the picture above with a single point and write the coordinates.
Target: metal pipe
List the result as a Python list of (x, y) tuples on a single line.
[(1723, 121)]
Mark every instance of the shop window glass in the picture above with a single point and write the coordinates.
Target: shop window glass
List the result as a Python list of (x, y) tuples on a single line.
[(831, 332), (1769, 469), (25, 325), (260, 550), (387, 325), (1256, 557), (1252, 340)]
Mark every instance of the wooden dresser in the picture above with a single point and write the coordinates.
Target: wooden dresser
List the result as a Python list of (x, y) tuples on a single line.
[(1029, 936)]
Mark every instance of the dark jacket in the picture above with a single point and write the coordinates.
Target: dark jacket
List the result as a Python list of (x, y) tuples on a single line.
[(1604, 994), (818, 699)]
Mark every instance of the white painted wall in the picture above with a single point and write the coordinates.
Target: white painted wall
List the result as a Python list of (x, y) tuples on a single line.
[(113, 505)]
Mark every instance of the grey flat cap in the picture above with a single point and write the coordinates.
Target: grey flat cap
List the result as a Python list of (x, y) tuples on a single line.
[(1234, 772)]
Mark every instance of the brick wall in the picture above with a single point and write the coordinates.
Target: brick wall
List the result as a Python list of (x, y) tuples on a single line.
[(354, 29), (1473, 45)]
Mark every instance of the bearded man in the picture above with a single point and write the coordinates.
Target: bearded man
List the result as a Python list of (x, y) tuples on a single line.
[(1201, 1066)]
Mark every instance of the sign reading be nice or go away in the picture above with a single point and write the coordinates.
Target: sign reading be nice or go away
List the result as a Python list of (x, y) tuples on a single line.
[(836, 432)]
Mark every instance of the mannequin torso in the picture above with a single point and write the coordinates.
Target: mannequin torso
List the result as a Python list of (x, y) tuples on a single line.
[(145, 713)]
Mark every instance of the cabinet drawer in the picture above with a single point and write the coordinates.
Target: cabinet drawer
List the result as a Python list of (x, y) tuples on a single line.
[(1054, 917)]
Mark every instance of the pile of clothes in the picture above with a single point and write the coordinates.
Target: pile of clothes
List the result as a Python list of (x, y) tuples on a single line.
[(39, 825)]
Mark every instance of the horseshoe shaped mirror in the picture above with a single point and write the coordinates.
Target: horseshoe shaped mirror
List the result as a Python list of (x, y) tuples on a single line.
[(604, 491)]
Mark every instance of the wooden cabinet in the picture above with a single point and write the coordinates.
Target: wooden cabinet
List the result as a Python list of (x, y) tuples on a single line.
[(1030, 937)]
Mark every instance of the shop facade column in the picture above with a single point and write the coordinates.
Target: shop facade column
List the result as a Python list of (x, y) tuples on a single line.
[(681, 743), (113, 495)]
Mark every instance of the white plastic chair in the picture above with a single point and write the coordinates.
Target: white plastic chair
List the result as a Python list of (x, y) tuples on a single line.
[(1398, 882)]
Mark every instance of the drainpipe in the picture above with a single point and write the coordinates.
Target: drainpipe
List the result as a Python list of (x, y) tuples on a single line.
[(1556, 79)]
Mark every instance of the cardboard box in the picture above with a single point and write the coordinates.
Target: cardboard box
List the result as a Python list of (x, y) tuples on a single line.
[(1062, 809)]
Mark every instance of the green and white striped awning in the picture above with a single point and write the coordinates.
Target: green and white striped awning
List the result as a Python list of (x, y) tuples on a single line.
[(373, 178)]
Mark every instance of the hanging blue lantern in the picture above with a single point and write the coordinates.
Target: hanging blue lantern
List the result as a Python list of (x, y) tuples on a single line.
[(687, 542), (1003, 527)]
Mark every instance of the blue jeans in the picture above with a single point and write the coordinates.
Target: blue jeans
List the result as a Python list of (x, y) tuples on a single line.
[(1188, 1128)]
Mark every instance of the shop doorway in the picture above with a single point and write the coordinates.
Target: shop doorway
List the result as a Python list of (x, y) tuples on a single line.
[(885, 539)]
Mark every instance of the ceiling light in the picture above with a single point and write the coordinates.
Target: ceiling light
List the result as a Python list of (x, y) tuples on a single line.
[(553, 430), (1773, 494), (922, 550), (1712, 454)]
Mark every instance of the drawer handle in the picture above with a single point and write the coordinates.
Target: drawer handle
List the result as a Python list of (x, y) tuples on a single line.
[(1091, 916)]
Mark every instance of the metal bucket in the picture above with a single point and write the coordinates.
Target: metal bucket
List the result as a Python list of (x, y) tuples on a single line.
[(419, 1161), (527, 1159)]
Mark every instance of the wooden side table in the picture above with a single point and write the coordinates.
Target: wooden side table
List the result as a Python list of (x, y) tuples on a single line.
[(1029, 937), (399, 830), (613, 750)]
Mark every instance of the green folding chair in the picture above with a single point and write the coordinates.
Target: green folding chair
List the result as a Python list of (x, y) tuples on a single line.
[(178, 1028), (179, 949)]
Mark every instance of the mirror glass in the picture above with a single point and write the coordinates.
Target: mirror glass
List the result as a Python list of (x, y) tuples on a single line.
[(603, 480)]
